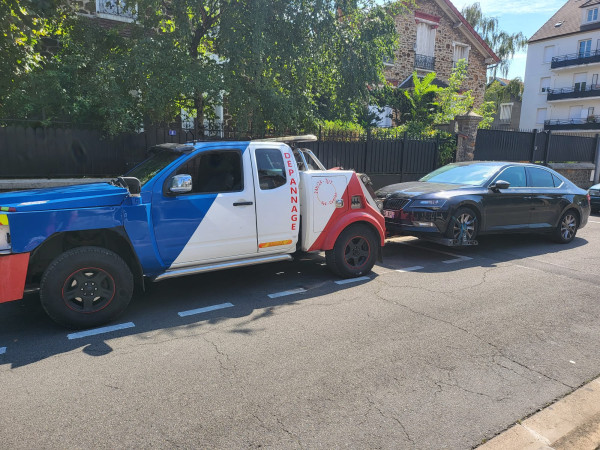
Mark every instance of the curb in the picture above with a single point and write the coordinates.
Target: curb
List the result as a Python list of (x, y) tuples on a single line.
[(571, 423)]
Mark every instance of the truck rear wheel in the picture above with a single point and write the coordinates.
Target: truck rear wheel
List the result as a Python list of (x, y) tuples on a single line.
[(354, 252), (86, 287)]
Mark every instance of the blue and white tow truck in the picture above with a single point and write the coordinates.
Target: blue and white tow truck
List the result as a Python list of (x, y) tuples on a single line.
[(187, 209)]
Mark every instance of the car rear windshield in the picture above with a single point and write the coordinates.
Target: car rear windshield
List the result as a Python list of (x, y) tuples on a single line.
[(147, 169), (472, 174)]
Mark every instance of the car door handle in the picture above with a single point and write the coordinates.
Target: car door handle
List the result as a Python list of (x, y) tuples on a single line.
[(243, 203)]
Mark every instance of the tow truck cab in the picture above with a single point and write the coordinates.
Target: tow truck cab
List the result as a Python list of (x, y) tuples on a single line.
[(187, 209)]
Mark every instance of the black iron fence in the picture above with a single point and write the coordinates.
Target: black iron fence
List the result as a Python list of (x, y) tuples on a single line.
[(27, 152), (534, 146)]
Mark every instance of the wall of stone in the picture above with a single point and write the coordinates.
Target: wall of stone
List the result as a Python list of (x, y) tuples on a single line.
[(403, 65)]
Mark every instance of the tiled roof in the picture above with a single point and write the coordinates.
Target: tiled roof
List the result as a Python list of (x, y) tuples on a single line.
[(471, 30), (567, 20)]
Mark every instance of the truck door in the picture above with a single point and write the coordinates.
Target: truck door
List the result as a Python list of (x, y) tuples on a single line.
[(216, 221), (277, 197)]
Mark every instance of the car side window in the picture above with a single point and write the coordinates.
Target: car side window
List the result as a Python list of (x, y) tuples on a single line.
[(271, 168), (540, 178), (515, 176), (215, 171), (557, 181)]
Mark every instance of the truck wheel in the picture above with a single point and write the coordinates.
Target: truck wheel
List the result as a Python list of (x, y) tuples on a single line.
[(86, 287), (354, 252)]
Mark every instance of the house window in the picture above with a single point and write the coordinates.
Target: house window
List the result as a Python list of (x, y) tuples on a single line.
[(116, 10), (579, 82), (540, 115), (548, 53), (505, 112), (545, 84), (575, 112), (461, 51), (590, 111), (585, 48), (425, 39), (591, 15)]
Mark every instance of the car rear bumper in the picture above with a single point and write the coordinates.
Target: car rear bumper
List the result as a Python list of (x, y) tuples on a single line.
[(13, 271)]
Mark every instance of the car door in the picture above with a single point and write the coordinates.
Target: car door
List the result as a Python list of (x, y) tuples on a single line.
[(276, 193), (508, 209), (216, 221), (546, 198)]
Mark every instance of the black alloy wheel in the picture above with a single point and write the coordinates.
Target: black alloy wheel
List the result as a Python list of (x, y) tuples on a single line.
[(354, 252), (85, 287)]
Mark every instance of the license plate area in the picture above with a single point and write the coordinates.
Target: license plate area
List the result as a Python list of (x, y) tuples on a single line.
[(390, 214)]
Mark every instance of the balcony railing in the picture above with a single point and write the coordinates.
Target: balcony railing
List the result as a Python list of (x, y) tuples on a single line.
[(573, 92), (115, 8), (588, 123), (424, 62), (575, 59)]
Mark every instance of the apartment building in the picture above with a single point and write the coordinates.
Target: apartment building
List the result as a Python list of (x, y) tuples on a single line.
[(562, 92)]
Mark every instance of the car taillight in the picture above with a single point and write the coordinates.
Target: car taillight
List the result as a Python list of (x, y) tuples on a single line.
[(589, 199)]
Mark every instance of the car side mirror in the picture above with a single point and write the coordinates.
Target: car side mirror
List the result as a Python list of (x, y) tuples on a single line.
[(500, 184), (180, 184)]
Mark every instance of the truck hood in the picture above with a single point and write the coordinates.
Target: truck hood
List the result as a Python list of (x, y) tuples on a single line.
[(416, 188), (67, 197)]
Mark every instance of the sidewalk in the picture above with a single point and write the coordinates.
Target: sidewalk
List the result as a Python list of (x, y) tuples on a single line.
[(571, 423)]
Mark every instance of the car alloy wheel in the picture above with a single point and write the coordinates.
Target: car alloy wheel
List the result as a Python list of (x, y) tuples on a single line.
[(464, 226), (568, 227)]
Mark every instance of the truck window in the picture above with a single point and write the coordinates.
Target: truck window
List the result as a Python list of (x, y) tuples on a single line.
[(271, 168), (215, 171)]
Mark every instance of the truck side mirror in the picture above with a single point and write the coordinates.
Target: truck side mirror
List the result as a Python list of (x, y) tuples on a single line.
[(180, 184)]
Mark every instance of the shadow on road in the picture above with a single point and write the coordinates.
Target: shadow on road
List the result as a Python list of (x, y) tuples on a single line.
[(29, 336)]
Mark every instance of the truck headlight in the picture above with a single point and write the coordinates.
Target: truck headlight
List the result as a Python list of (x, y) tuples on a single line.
[(4, 233)]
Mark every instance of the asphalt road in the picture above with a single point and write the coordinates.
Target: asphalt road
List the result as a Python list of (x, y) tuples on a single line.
[(445, 354)]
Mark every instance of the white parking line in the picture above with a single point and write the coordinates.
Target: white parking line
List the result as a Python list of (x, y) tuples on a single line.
[(95, 331), (290, 292), (352, 280), (452, 261), (2, 350), (410, 269), (192, 312)]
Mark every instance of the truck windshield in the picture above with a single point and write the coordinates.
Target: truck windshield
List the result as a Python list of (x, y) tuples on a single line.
[(147, 169)]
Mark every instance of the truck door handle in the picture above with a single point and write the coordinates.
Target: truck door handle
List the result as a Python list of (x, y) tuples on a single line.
[(243, 203)]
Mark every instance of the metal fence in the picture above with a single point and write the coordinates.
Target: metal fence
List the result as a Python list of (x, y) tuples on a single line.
[(27, 152), (534, 146)]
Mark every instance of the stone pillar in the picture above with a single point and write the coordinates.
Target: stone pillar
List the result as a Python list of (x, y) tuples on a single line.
[(467, 133)]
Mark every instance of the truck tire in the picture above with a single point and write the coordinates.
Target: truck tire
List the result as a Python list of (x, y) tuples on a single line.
[(86, 287), (354, 252)]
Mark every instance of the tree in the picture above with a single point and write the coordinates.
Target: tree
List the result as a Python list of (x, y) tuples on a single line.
[(505, 45), (25, 23)]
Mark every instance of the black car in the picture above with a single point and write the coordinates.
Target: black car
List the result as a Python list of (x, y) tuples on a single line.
[(460, 201)]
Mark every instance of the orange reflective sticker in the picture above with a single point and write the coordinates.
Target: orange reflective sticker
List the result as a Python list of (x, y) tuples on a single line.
[(274, 244)]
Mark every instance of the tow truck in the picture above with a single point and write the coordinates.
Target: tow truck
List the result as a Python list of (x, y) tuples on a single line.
[(187, 209)]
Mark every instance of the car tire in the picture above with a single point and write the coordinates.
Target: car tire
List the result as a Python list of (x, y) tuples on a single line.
[(567, 227), (463, 225), (354, 252), (86, 287)]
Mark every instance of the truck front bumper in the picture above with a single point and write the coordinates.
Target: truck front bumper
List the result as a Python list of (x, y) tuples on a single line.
[(13, 271)]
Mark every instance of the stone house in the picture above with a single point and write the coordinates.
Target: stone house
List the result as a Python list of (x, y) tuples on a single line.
[(433, 38)]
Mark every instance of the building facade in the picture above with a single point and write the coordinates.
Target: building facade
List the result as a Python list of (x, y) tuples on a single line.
[(562, 91), (432, 39)]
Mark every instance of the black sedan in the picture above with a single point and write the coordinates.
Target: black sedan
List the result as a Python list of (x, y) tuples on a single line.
[(460, 201)]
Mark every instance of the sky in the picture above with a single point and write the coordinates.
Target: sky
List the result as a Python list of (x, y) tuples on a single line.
[(513, 16)]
